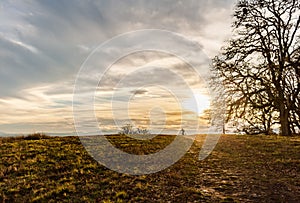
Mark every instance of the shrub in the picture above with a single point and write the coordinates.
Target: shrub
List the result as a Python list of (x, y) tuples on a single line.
[(36, 136)]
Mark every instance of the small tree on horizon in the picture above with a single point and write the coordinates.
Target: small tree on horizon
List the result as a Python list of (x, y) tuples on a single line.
[(128, 129)]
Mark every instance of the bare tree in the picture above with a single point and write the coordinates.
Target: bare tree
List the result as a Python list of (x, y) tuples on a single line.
[(128, 129), (259, 67)]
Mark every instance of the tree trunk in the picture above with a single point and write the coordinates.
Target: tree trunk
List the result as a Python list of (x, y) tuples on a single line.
[(284, 121)]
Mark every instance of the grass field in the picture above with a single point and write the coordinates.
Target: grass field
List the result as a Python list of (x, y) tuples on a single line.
[(240, 169)]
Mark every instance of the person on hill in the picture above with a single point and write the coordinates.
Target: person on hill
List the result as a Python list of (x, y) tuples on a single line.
[(182, 131)]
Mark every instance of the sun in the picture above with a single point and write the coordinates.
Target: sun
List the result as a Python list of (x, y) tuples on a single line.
[(197, 103), (203, 102)]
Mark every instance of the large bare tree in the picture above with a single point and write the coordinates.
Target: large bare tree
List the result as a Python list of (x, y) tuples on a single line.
[(259, 67)]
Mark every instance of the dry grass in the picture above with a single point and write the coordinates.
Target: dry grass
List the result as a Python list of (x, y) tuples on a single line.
[(240, 169)]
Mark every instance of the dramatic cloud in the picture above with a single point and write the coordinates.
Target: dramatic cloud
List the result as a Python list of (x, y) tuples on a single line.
[(44, 43)]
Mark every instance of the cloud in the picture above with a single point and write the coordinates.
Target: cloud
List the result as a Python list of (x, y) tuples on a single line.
[(44, 43), (59, 29), (139, 92)]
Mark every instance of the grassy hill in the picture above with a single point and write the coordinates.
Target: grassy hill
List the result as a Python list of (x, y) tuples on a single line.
[(240, 169)]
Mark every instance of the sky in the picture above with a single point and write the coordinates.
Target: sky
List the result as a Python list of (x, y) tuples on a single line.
[(44, 44)]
